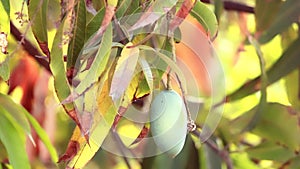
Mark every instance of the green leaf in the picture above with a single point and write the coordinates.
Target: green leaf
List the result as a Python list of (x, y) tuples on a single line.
[(219, 8), (270, 151), (293, 163), (78, 33), (288, 14), (154, 12), (99, 63), (288, 62), (37, 11), (16, 111), (94, 23), (43, 136), (22, 118), (242, 161), (147, 72), (4, 68), (57, 67), (206, 18), (273, 125), (122, 7), (5, 13), (170, 63), (292, 89), (13, 138), (265, 10)]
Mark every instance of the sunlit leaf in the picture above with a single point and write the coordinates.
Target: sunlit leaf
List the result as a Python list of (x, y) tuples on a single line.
[(288, 62), (5, 13), (4, 30), (37, 10), (289, 13), (241, 160), (58, 70), (206, 18), (103, 120), (292, 87), (124, 71), (78, 34), (99, 62), (154, 12), (13, 137), (128, 131)]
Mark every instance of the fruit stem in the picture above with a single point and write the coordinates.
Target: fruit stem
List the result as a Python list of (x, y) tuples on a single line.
[(191, 124)]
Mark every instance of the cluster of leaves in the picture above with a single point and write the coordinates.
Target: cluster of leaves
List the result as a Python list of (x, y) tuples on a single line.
[(94, 61)]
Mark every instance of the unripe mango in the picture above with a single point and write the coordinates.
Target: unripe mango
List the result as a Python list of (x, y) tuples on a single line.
[(168, 122)]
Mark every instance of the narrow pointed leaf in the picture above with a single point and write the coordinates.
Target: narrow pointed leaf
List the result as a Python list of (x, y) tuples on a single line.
[(206, 18), (78, 35), (288, 62), (265, 10), (99, 63), (270, 151), (13, 138), (37, 10), (16, 111), (147, 72), (272, 125), (122, 8), (288, 14), (124, 71), (153, 13), (43, 137), (95, 23), (58, 70), (102, 123), (22, 118)]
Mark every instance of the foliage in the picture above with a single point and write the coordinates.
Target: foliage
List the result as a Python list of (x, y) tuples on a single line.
[(101, 63)]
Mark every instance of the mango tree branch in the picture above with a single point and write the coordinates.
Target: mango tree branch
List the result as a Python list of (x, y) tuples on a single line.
[(234, 6), (30, 48)]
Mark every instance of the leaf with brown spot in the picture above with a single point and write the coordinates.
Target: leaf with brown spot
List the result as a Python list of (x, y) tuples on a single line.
[(153, 13), (37, 10)]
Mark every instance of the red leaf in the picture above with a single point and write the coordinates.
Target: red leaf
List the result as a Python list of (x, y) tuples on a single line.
[(71, 151), (182, 13), (144, 132)]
